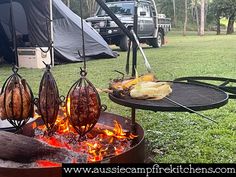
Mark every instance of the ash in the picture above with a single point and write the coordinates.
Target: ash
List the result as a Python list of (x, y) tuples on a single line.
[(11, 164)]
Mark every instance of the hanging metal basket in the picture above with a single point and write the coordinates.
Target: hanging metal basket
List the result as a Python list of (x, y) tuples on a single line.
[(17, 100), (49, 99), (83, 105)]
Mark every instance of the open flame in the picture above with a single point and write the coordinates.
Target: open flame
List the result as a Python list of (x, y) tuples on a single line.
[(68, 105), (109, 142), (102, 142)]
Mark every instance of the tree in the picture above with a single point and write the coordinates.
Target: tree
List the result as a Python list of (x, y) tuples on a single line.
[(230, 27), (68, 3), (195, 4), (73, 5), (170, 8), (174, 11), (91, 6), (216, 11), (224, 8), (202, 24), (186, 16), (230, 13)]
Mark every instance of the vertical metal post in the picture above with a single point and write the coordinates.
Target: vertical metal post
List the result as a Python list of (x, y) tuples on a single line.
[(135, 47), (115, 18), (134, 64), (13, 30), (133, 121), (51, 33)]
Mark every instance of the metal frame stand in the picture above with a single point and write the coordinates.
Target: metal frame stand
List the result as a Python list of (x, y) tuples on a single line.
[(134, 46)]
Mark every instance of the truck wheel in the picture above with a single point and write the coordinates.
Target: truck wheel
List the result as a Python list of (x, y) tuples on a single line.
[(124, 43), (157, 42)]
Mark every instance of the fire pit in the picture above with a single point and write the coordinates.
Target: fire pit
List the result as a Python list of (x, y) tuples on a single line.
[(132, 154)]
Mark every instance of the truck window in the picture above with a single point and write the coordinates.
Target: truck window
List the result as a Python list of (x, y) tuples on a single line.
[(153, 12), (144, 7), (118, 8)]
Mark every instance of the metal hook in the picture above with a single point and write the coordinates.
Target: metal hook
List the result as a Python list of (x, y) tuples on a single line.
[(62, 100), (103, 107), (83, 72), (15, 69), (123, 75), (48, 66)]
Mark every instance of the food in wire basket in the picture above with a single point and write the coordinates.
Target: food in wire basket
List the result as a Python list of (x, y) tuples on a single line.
[(83, 105), (49, 100), (2, 109), (16, 100)]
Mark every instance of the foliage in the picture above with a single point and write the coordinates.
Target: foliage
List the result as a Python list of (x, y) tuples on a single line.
[(214, 9), (74, 5), (166, 7), (173, 137), (224, 8), (89, 7)]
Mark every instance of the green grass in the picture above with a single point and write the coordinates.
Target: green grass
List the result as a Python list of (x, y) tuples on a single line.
[(172, 137)]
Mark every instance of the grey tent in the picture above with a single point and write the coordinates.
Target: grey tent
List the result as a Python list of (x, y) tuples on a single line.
[(32, 26)]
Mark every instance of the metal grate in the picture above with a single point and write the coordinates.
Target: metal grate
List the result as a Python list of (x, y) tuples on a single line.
[(194, 96)]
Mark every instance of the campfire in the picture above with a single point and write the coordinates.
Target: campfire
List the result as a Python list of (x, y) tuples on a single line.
[(71, 130), (102, 142), (74, 133), (106, 142)]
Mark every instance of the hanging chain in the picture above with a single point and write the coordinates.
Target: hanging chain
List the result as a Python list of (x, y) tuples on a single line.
[(13, 31), (83, 71), (49, 42)]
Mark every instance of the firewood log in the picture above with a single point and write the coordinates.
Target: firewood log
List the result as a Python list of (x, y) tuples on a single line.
[(20, 148)]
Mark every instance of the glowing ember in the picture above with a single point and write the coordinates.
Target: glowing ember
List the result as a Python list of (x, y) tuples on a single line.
[(101, 143), (46, 163)]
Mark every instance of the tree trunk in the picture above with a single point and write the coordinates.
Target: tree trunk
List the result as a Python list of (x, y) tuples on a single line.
[(218, 26), (174, 10), (186, 17), (202, 25), (197, 17), (193, 4), (68, 3), (92, 6), (230, 27), (206, 11)]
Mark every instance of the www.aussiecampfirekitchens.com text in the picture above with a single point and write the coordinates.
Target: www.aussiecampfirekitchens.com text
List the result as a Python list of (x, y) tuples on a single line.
[(146, 170)]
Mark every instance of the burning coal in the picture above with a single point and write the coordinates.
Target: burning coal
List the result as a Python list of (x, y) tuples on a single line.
[(101, 142)]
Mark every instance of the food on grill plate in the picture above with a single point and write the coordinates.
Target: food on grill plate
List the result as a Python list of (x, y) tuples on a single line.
[(126, 84), (143, 87), (151, 90)]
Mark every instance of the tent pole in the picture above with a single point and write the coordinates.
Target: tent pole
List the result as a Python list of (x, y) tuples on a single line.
[(14, 46), (51, 33)]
